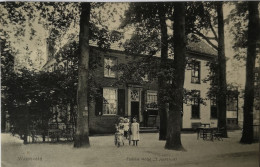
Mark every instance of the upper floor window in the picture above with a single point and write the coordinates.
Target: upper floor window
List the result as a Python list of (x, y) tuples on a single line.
[(109, 101), (109, 62), (195, 72)]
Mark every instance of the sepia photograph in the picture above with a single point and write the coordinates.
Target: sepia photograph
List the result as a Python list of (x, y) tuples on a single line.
[(127, 84)]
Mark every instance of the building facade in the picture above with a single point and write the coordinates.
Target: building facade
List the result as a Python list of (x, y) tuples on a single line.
[(132, 98)]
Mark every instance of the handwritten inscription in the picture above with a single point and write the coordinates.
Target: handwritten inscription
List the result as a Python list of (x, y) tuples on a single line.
[(29, 158), (150, 159)]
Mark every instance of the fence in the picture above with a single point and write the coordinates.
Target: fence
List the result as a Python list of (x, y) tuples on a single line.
[(55, 132)]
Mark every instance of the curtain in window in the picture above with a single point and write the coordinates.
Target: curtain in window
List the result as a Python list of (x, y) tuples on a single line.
[(110, 101)]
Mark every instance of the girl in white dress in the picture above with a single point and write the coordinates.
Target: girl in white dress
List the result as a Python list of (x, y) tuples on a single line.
[(135, 132)]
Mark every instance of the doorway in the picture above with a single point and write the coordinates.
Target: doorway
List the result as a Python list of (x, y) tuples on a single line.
[(135, 110)]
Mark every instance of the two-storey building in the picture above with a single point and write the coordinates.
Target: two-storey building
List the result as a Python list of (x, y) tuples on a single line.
[(130, 99)]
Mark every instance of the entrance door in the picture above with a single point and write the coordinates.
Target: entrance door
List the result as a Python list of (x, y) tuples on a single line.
[(135, 110)]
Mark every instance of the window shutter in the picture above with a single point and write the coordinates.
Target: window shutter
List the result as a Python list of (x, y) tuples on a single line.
[(99, 103), (121, 102)]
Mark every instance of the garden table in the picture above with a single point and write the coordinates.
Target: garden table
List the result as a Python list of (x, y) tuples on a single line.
[(205, 132)]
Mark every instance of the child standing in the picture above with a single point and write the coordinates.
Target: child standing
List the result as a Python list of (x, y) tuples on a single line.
[(119, 132), (135, 132), (121, 125), (126, 127)]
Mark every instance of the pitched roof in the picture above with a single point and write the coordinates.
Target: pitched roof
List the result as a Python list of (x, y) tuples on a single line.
[(201, 47)]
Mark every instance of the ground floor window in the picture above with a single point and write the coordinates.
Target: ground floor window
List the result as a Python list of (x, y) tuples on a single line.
[(151, 100), (231, 104), (109, 101), (213, 108), (195, 104), (231, 121)]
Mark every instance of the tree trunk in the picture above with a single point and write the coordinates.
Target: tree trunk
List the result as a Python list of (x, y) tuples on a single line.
[(161, 78), (26, 130), (173, 140), (82, 131), (222, 85), (3, 119), (253, 37), (72, 114)]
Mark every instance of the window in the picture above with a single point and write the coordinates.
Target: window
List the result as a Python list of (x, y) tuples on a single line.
[(109, 101), (195, 72), (151, 100), (195, 105), (109, 62), (231, 104), (213, 108)]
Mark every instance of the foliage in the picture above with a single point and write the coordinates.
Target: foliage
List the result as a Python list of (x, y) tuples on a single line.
[(29, 97), (59, 20), (238, 17), (146, 40), (202, 20)]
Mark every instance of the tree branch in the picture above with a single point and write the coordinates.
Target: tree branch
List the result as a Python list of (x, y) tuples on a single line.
[(214, 32), (211, 38), (206, 38)]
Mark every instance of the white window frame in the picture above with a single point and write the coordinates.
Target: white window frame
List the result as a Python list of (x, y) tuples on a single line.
[(116, 100), (152, 93)]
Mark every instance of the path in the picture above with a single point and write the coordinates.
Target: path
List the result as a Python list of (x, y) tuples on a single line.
[(150, 152)]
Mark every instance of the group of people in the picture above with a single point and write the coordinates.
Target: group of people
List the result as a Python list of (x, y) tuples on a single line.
[(130, 130)]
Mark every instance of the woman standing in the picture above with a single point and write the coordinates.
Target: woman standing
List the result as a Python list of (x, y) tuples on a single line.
[(135, 132)]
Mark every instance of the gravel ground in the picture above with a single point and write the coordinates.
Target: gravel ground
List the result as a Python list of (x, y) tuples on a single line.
[(149, 152)]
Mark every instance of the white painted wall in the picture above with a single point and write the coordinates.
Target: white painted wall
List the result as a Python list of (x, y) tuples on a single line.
[(203, 88)]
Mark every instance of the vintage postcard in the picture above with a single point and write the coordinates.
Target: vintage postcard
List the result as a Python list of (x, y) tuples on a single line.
[(115, 84)]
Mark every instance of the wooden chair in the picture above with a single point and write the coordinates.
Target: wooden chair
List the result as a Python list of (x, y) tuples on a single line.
[(68, 133), (218, 134), (54, 132)]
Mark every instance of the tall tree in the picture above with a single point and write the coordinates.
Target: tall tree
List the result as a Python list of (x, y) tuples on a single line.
[(211, 18), (161, 79), (82, 131), (252, 40), (222, 83), (7, 69), (173, 140), (148, 18)]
